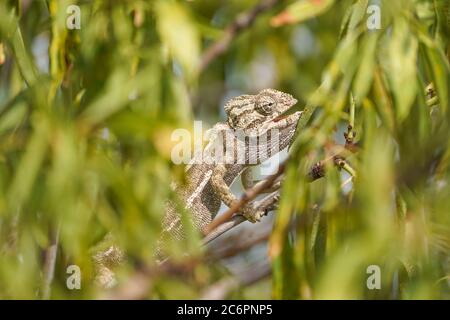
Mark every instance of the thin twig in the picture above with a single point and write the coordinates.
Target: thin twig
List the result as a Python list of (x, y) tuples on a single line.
[(229, 219), (346, 182), (242, 22), (49, 265), (237, 247), (247, 197), (222, 228), (265, 204)]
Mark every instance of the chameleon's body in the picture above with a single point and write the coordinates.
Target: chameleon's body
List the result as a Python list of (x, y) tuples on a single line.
[(209, 179)]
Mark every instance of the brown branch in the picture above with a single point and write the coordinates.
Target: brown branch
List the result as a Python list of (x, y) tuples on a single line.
[(222, 228), (242, 21), (266, 204), (247, 197), (229, 219), (237, 247)]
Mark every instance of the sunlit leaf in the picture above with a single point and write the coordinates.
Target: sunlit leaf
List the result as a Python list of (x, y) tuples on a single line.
[(179, 34), (300, 11), (402, 68)]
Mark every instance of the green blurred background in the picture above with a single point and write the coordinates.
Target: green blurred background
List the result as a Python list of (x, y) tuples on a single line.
[(86, 117)]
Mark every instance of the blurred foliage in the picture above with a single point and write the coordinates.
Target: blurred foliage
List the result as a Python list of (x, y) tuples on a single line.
[(86, 118)]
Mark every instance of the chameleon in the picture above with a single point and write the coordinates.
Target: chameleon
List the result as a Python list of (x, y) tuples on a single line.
[(258, 118), (249, 117)]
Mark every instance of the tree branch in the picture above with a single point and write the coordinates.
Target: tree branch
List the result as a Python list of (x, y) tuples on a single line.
[(237, 245), (229, 219), (266, 204), (247, 197), (242, 21)]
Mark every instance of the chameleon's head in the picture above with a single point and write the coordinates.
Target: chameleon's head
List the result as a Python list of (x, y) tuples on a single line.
[(250, 112)]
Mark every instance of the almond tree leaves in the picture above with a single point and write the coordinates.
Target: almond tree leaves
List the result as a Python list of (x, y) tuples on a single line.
[(387, 71), (65, 167)]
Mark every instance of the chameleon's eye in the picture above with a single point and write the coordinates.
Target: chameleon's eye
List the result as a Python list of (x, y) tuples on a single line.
[(265, 105)]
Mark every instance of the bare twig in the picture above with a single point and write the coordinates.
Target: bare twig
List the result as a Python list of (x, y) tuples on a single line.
[(238, 247), (229, 219), (265, 204), (49, 265), (222, 228), (247, 197), (242, 21)]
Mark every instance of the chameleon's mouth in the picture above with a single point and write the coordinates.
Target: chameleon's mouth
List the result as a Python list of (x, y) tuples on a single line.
[(279, 118), (282, 117)]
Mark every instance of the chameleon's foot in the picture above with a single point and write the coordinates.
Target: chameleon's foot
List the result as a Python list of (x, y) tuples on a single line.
[(251, 214)]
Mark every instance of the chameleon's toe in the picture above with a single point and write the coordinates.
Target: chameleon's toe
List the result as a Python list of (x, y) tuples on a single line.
[(252, 214)]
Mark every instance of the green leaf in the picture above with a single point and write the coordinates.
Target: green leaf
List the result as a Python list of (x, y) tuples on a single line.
[(9, 28), (353, 16), (179, 34), (113, 100), (301, 11), (30, 164), (401, 67), (13, 117), (364, 75)]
